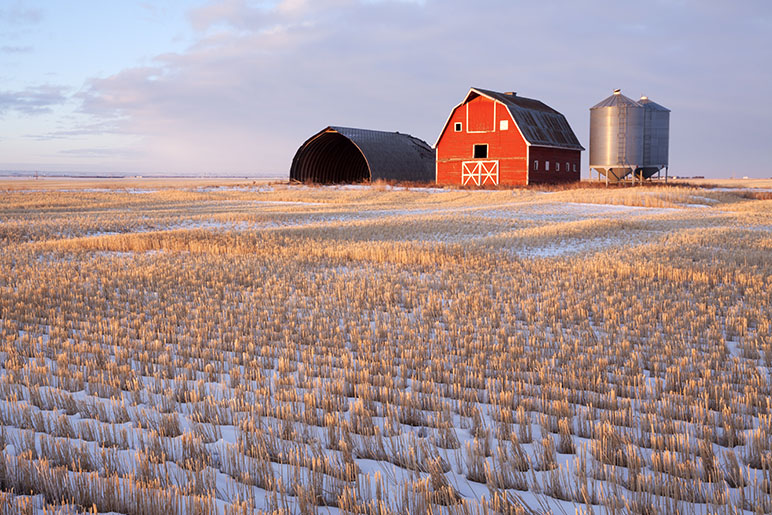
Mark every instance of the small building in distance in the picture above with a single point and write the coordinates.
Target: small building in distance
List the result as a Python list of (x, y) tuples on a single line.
[(496, 138), (345, 154)]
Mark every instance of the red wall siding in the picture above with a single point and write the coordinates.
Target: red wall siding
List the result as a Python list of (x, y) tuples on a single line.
[(508, 147), (554, 156), (480, 114)]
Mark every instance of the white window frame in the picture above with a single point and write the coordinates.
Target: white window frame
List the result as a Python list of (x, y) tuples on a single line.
[(557, 166), (574, 166), (546, 166), (568, 166), (535, 165), (458, 127), (503, 125), (487, 150)]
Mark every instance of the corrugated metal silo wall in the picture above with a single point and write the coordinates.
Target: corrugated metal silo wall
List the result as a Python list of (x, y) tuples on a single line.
[(656, 140), (616, 136)]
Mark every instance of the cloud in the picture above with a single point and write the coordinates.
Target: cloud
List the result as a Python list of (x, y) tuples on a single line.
[(248, 16), (76, 128), (9, 49), (32, 101), (20, 14), (261, 78), (97, 152), (17, 19)]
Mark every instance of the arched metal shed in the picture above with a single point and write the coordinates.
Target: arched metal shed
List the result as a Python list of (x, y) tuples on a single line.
[(345, 154)]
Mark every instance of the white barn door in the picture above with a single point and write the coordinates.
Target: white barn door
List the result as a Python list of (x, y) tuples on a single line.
[(480, 172)]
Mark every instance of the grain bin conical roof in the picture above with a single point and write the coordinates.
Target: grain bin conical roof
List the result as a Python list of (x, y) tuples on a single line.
[(648, 104), (617, 99)]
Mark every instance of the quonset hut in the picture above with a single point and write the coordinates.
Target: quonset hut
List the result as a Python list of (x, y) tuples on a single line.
[(345, 154)]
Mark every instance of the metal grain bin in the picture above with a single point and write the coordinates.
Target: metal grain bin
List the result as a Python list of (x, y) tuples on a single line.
[(656, 137), (616, 136)]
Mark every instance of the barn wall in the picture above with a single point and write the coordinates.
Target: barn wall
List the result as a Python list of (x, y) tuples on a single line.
[(554, 156), (508, 146), (480, 114)]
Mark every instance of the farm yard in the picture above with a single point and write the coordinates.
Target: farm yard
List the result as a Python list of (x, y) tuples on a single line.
[(191, 348)]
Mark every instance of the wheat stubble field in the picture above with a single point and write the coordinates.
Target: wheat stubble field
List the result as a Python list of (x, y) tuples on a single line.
[(179, 348)]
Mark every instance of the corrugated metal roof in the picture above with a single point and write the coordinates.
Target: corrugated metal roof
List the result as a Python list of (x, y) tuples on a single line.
[(539, 123), (615, 100), (386, 155), (648, 104)]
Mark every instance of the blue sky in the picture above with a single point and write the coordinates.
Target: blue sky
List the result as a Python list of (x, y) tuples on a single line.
[(235, 86)]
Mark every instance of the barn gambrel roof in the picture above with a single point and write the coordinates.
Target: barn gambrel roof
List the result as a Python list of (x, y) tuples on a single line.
[(539, 124)]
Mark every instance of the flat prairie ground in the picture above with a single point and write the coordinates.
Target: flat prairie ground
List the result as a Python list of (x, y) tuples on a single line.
[(243, 347), (727, 183)]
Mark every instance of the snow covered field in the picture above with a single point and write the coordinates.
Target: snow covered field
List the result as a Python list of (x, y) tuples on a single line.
[(385, 350)]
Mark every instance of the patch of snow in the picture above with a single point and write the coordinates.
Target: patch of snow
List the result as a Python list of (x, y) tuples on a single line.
[(590, 208), (252, 189), (705, 199), (286, 202), (742, 189), (207, 224), (574, 247), (734, 348)]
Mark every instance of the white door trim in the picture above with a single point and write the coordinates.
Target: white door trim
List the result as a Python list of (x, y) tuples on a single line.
[(480, 172)]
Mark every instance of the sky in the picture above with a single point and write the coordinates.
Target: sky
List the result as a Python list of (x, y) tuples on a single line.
[(234, 87)]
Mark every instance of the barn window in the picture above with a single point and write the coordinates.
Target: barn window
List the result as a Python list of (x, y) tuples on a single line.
[(557, 166), (504, 125), (481, 151), (568, 167), (536, 165), (574, 166), (547, 165), (457, 127)]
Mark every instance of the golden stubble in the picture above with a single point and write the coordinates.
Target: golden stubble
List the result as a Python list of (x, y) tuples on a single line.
[(380, 349)]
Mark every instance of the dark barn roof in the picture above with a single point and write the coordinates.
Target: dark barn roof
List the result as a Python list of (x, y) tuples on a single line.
[(539, 123), (345, 154)]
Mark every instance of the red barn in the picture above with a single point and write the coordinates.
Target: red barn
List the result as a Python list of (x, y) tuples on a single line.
[(501, 138)]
